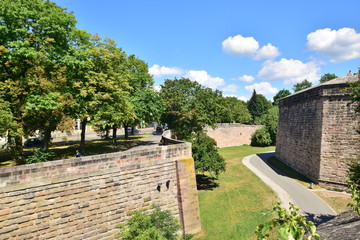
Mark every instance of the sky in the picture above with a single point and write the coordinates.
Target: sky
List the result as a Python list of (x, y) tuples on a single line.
[(234, 46)]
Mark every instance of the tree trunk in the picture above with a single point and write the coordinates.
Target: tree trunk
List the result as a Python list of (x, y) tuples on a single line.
[(82, 141), (107, 133), (126, 131), (114, 135), (47, 138), (18, 150)]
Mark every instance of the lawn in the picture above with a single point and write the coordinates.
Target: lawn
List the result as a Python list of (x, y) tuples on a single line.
[(235, 204), (67, 150)]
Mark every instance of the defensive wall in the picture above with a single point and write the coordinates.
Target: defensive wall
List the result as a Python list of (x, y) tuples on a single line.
[(229, 135), (317, 131), (87, 197)]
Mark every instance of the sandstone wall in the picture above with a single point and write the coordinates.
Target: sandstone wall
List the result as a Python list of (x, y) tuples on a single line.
[(299, 133), (316, 132), (229, 135), (340, 142), (86, 198)]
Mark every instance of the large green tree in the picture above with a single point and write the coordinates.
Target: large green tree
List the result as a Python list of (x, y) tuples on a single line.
[(98, 82), (281, 94), (34, 36), (234, 110), (258, 105), (189, 106), (147, 103), (327, 77), (302, 85)]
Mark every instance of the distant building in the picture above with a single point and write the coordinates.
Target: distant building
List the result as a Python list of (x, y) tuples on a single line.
[(317, 131)]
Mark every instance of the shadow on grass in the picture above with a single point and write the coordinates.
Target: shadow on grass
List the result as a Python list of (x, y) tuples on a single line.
[(207, 183), (281, 168)]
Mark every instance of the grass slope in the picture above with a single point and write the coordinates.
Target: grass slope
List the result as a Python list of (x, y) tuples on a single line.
[(235, 204)]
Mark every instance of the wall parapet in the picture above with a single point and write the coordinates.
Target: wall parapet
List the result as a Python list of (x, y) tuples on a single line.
[(87, 197)]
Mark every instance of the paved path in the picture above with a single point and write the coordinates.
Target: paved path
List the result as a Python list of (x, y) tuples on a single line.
[(288, 190)]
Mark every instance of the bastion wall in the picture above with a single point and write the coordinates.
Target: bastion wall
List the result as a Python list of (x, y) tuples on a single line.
[(317, 131), (87, 197), (229, 135)]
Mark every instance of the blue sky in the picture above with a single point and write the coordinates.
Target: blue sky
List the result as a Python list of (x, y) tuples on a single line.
[(233, 46)]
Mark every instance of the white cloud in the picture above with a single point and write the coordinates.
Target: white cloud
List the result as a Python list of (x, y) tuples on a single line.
[(268, 51), (242, 98), (158, 71), (264, 88), (290, 70), (338, 46), (205, 79), (157, 88), (230, 88), (240, 46), (248, 47), (244, 78)]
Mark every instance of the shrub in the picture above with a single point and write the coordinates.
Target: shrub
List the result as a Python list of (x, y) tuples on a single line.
[(287, 225), (354, 185), (261, 138), (206, 155), (40, 155), (158, 225)]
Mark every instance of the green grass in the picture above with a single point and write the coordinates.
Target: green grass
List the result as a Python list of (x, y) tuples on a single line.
[(235, 204), (67, 150)]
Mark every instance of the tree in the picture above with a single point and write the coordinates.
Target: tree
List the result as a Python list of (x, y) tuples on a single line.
[(258, 105), (98, 82), (301, 86), (270, 121), (189, 106), (327, 77), (147, 103), (281, 94), (34, 36), (235, 110), (206, 156)]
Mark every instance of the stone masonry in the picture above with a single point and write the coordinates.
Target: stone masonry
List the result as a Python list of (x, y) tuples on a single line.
[(317, 131), (229, 135), (87, 197)]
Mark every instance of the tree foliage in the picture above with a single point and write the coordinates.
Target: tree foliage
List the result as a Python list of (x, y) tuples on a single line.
[(281, 94), (34, 35), (258, 105), (234, 110), (158, 225), (205, 154), (302, 85), (287, 225), (189, 106), (327, 77), (261, 138)]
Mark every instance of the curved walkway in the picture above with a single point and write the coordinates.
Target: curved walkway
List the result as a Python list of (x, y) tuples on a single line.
[(288, 190)]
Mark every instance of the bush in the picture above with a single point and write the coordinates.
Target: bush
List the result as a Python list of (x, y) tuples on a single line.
[(354, 185), (287, 225), (159, 225), (40, 155), (261, 138), (206, 155)]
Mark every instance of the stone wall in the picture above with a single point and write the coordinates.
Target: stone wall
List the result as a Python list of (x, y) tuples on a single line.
[(316, 131), (86, 198), (229, 135)]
